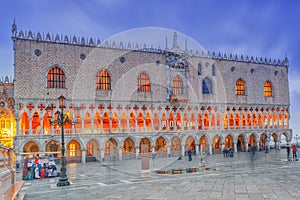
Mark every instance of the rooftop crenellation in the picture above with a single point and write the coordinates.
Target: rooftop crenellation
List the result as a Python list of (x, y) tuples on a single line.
[(85, 41)]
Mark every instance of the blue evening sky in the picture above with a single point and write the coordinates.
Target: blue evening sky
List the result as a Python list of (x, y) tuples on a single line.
[(262, 28)]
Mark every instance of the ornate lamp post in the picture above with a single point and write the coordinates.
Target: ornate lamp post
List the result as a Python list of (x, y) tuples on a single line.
[(61, 120)]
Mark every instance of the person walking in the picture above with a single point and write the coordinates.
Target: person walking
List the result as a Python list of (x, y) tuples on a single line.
[(288, 151), (252, 154), (294, 150)]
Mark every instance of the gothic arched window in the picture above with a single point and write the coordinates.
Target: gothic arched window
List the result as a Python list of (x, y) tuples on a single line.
[(206, 86), (240, 87), (199, 69), (213, 70), (56, 78), (143, 83), (267, 89), (177, 86), (103, 80)]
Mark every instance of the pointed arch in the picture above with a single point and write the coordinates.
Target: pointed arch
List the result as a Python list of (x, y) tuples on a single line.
[(178, 121), (106, 122), (24, 123), (161, 147), (115, 122), (156, 122), (177, 86), (143, 83), (97, 121), (206, 86), (132, 122), (148, 121), (200, 121), (193, 121), (87, 123), (123, 122), (199, 69), (240, 87), (56, 78), (35, 123), (268, 89)]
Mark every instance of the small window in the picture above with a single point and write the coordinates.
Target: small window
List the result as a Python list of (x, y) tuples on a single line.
[(199, 69), (252, 71), (240, 87), (268, 89), (213, 70), (232, 69)]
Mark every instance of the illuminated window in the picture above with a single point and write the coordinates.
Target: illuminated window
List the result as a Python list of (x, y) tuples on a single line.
[(102, 80), (143, 83), (72, 150), (56, 78), (268, 89), (206, 86), (240, 87), (177, 86), (89, 151)]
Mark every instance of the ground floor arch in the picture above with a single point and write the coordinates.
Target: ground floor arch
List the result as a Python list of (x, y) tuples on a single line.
[(175, 146), (128, 149), (229, 142), (73, 151), (216, 144), (31, 147), (92, 150), (161, 147), (190, 144), (241, 143), (144, 145)]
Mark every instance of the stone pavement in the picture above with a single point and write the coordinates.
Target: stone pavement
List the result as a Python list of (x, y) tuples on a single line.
[(268, 176)]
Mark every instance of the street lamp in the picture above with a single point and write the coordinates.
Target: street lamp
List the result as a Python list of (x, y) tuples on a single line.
[(61, 119)]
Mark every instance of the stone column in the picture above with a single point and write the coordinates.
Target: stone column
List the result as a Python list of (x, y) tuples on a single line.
[(82, 125), (137, 152), (18, 126), (92, 122), (153, 149), (182, 150), (235, 146), (73, 128), (197, 149), (30, 126), (120, 153), (246, 146), (102, 154), (277, 144), (83, 155), (41, 126), (168, 151), (209, 148), (257, 146)]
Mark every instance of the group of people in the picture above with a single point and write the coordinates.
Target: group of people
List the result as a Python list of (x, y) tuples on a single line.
[(294, 151), (228, 152), (39, 167)]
